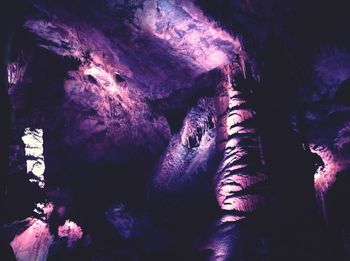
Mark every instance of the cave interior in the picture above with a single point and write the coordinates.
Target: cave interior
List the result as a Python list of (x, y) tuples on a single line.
[(174, 130)]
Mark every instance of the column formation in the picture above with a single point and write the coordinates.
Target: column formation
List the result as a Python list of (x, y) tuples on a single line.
[(240, 174)]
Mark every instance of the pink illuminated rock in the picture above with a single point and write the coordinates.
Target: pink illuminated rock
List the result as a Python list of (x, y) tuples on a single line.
[(189, 32), (326, 175), (34, 243), (163, 41), (124, 65), (246, 203), (71, 231)]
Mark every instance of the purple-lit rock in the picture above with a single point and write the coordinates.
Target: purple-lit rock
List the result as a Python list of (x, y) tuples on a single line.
[(122, 221), (189, 151), (71, 231), (235, 175)]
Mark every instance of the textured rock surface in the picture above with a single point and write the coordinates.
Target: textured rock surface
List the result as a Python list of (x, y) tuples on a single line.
[(241, 169), (109, 92), (34, 243), (71, 231), (122, 221), (189, 152)]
